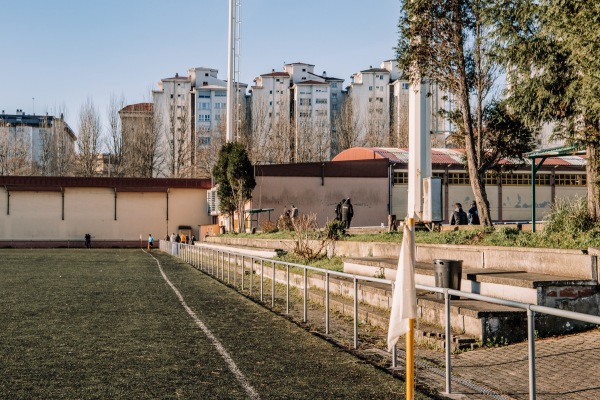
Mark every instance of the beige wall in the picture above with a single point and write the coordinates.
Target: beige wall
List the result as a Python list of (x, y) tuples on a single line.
[(37, 215), (369, 197)]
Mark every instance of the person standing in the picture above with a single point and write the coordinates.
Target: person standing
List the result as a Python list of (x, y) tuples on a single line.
[(193, 239), (294, 213), (459, 217), (174, 244), (150, 242), (347, 213), (473, 214), (88, 241), (338, 210)]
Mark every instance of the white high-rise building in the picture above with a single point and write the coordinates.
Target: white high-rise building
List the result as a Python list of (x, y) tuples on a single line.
[(294, 111), (193, 110), (380, 106)]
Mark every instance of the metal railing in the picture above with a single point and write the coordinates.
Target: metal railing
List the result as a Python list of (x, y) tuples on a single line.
[(214, 261)]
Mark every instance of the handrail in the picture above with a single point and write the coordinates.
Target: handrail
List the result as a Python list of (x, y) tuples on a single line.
[(195, 255)]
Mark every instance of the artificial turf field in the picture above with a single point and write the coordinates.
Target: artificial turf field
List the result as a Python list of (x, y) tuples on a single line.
[(105, 324)]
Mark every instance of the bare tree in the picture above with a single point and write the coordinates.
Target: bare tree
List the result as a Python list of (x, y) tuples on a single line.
[(15, 150), (347, 127), (115, 138), (377, 124), (270, 131), (90, 130), (399, 122), (180, 143)]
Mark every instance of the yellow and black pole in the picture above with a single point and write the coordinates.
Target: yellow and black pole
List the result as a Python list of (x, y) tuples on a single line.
[(410, 345)]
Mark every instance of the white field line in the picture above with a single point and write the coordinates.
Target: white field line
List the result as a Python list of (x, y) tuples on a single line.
[(228, 360)]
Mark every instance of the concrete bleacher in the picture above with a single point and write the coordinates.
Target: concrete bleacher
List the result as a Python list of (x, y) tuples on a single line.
[(565, 279)]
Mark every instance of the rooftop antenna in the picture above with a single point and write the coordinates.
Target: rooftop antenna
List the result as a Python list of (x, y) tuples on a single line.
[(33, 100)]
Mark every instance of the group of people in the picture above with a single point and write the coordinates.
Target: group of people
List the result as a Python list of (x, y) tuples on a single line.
[(459, 217), (344, 212)]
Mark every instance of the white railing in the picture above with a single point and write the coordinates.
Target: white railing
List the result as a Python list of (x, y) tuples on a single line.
[(229, 265)]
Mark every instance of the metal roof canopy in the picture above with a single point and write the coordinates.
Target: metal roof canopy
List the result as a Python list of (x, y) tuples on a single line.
[(543, 154)]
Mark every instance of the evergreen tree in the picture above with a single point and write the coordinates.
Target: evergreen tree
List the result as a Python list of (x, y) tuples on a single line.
[(234, 174), (550, 50)]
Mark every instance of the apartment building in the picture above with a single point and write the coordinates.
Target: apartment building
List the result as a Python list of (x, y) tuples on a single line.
[(293, 114), (44, 143), (193, 112), (379, 99)]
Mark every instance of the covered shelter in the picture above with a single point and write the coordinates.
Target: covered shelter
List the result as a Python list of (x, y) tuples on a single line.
[(543, 155)]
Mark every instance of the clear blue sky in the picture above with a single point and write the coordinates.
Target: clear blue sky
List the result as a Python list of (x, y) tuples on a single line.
[(62, 52)]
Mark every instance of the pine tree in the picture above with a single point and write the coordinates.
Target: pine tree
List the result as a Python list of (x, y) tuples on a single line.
[(550, 49)]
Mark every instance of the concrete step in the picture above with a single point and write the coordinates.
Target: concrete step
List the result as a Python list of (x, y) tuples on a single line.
[(426, 333), (527, 287)]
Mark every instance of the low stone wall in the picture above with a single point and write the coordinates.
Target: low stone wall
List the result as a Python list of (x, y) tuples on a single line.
[(560, 262)]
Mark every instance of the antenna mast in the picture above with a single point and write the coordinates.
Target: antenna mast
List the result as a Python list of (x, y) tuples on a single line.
[(233, 72)]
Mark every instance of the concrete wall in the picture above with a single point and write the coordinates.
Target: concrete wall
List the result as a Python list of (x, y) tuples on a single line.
[(369, 197), (38, 215)]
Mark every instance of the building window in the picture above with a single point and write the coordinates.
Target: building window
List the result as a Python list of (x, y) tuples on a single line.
[(370, 88), (270, 92), (321, 113), (321, 101), (405, 85), (400, 178), (204, 95), (380, 77), (305, 102), (569, 180), (217, 117), (305, 114), (204, 117), (204, 140), (171, 96), (334, 84), (458, 178), (204, 106)]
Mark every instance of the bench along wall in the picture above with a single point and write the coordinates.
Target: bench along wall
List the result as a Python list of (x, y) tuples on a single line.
[(110, 209)]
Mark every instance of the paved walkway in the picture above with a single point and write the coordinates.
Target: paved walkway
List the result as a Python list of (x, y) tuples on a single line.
[(566, 368)]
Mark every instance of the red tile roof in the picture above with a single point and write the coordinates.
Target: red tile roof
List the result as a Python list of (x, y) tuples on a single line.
[(311, 82), (277, 74)]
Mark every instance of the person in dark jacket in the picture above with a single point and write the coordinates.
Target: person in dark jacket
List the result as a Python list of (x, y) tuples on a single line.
[(459, 217), (473, 214), (338, 210), (347, 213)]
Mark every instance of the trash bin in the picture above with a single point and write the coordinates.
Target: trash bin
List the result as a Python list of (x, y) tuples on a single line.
[(447, 275)]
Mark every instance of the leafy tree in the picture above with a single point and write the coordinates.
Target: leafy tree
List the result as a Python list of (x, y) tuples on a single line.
[(447, 42), (235, 176), (550, 50)]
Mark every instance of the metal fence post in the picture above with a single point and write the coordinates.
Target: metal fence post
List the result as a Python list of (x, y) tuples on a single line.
[(305, 294), (273, 285), (243, 270), (287, 289), (327, 302), (531, 348), (262, 273), (251, 273), (355, 312), (448, 333)]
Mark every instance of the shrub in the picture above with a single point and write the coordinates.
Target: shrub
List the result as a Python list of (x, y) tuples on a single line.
[(335, 230), (569, 216), (268, 226)]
